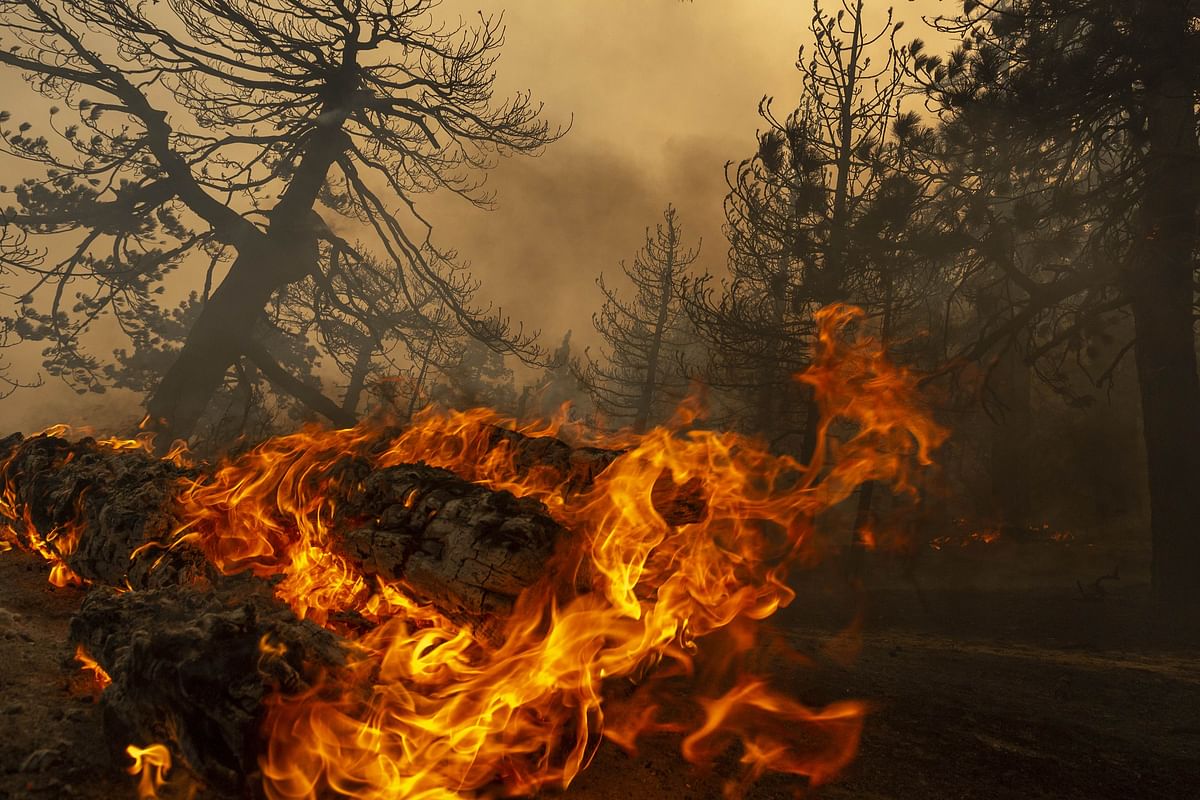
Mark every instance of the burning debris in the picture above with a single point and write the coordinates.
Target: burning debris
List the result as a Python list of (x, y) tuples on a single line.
[(966, 535), (445, 610)]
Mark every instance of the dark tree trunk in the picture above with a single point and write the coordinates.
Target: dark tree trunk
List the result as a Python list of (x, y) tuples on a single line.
[(1161, 289), (218, 337), (1010, 474), (649, 389), (286, 253), (358, 377)]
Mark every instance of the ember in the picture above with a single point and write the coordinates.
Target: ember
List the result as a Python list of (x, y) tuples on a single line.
[(480, 633)]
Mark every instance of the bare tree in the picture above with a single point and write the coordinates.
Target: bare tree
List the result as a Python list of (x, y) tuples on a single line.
[(246, 127), (635, 372), (799, 217)]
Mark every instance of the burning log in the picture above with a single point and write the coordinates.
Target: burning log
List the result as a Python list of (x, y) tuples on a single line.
[(88, 506), (107, 515), (192, 668), (466, 549), (405, 545)]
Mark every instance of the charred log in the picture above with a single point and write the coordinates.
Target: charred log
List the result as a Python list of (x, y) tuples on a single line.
[(465, 548), (574, 467), (93, 506), (191, 669), (468, 550)]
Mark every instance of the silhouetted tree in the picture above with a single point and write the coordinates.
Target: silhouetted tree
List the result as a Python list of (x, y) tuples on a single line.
[(559, 385), (479, 378), (236, 126), (811, 218), (636, 373), (1097, 101)]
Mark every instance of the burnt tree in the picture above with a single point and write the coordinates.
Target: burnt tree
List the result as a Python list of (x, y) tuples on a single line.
[(1097, 100), (636, 374), (239, 126)]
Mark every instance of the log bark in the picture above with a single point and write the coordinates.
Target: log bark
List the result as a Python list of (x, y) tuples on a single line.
[(190, 670), (468, 550)]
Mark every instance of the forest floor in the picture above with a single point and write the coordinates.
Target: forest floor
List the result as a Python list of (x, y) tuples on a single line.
[(976, 691)]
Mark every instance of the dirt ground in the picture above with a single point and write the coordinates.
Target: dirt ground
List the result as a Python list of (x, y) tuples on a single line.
[(975, 693)]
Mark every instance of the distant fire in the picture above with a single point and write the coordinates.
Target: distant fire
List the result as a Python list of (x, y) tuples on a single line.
[(968, 536), (430, 708)]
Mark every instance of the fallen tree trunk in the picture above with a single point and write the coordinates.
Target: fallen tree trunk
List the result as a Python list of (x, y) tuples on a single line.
[(192, 652), (468, 550), (191, 668)]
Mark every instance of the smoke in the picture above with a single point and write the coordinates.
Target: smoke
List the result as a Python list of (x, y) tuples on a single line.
[(658, 95), (579, 210)]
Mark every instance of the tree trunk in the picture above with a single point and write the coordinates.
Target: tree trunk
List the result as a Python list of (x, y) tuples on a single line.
[(650, 382), (1011, 480), (215, 341), (358, 377), (284, 255), (1161, 289)]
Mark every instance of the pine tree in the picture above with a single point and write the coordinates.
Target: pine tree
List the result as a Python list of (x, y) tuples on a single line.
[(1097, 99), (636, 377)]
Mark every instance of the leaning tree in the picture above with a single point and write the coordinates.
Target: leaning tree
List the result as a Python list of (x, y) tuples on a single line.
[(260, 137)]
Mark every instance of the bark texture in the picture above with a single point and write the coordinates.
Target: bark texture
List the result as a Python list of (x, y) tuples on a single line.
[(190, 670)]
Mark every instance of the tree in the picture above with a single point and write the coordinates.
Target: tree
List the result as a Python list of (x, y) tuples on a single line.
[(247, 128), (801, 216), (559, 387), (1099, 99), (634, 375), (478, 378)]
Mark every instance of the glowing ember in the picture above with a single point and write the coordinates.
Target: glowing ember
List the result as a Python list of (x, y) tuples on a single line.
[(968, 537)]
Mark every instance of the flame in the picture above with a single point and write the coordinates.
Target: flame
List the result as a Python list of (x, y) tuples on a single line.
[(428, 708), (95, 673), (151, 764), (54, 546)]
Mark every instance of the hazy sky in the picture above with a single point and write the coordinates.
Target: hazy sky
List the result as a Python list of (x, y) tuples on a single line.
[(659, 94), (663, 93)]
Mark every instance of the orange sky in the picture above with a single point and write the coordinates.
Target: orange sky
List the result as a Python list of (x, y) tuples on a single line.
[(660, 94)]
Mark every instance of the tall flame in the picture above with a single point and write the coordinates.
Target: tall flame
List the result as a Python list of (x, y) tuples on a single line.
[(151, 764), (429, 709), (661, 608)]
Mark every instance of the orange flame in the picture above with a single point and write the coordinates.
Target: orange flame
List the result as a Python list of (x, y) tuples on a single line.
[(151, 764), (96, 674), (430, 709)]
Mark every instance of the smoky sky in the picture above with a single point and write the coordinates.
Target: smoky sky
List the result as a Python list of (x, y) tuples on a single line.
[(658, 96)]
